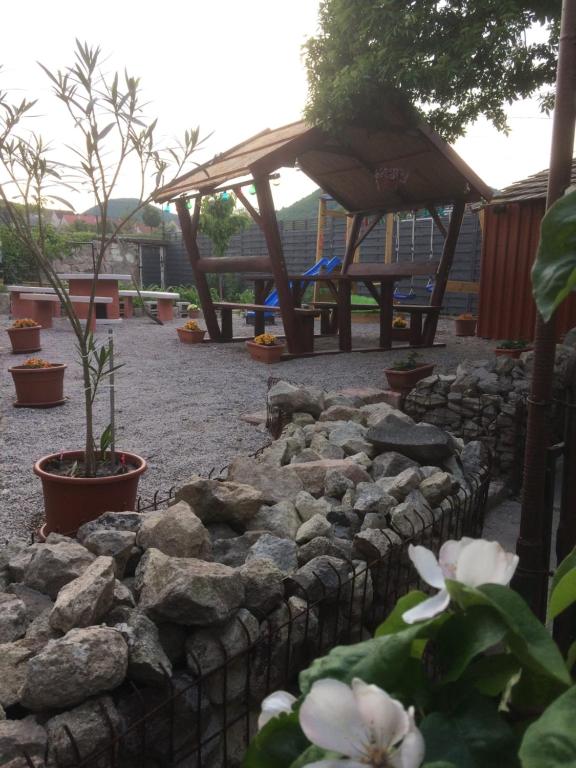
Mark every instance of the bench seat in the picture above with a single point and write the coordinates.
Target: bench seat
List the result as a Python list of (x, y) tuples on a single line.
[(305, 318)]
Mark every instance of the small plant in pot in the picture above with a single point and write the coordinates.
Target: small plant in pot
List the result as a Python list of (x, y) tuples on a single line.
[(38, 383), (193, 310), (115, 136), (405, 374), (24, 336), (265, 348), (511, 348), (465, 325), (191, 333), (400, 328)]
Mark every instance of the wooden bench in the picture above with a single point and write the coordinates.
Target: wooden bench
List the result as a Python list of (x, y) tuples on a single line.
[(305, 317), (41, 309), (164, 302)]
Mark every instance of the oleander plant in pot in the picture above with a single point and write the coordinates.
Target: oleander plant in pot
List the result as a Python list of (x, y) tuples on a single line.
[(191, 333), (38, 383), (265, 348), (115, 137), (467, 678), (24, 336), (465, 325), (511, 348), (403, 375)]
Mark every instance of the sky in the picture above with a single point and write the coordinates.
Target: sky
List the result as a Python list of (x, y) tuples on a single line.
[(233, 68)]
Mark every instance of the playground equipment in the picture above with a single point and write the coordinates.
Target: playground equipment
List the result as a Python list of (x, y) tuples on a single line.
[(370, 173)]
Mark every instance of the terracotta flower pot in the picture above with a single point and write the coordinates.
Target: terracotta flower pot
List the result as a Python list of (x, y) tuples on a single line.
[(190, 337), (24, 340), (38, 387), (265, 353), (404, 381), (465, 326), (515, 353), (69, 502), (193, 313), (400, 334)]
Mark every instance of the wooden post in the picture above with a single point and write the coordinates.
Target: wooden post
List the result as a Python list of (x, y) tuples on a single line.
[(189, 226), (344, 316), (389, 238), (443, 272), (386, 313), (322, 206), (274, 243), (352, 232)]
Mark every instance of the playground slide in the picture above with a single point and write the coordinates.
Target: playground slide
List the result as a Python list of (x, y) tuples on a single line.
[(324, 264)]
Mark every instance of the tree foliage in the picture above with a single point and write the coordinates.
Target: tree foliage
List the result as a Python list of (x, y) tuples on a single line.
[(454, 61), (220, 221), (151, 216)]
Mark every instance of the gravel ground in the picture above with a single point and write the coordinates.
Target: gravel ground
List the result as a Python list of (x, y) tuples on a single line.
[(178, 406)]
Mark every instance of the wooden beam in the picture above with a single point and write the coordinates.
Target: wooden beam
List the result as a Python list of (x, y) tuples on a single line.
[(354, 229), (189, 225), (437, 220), (389, 246), (274, 243), (248, 205), (368, 229), (444, 268), (322, 208)]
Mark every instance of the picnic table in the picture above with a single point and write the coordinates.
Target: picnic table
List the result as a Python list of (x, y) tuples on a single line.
[(80, 284)]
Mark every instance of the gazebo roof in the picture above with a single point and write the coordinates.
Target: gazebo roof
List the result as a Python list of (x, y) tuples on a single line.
[(352, 168)]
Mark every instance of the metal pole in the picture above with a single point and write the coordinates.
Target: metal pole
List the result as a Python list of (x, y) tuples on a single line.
[(111, 376), (532, 576)]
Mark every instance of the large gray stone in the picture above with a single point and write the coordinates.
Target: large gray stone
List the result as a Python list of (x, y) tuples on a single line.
[(187, 591), (40, 628), (207, 649), (13, 618), (111, 521), (307, 454), (323, 577), (422, 442), (436, 487), (177, 532), (408, 520), (338, 412), (313, 473), (351, 440), (274, 483), (19, 736), (282, 552), (372, 543), (408, 480), (322, 545), (317, 525), (307, 506), (325, 448), (111, 543), (35, 602), (14, 658), (281, 519), (371, 498), (93, 724), (233, 551), (85, 600), (292, 399), (54, 565), (336, 484), (147, 662), (19, 562), (475, 457), (217, 501), (81, 664), (263, 585)]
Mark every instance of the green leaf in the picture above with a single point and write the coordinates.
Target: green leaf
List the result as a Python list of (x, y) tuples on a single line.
[(439, 764), (464, 636), (393, 622), (105, 439), (564, 567), (279, 744), (473, 735), (312, 755), (571, 656), (527, 638), (490, 674), (563, 594), (550, 742), (554, 270)]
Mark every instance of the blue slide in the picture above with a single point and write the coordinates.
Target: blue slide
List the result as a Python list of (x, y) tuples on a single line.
[(323, 265)]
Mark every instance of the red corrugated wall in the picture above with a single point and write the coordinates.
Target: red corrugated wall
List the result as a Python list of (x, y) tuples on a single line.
[(506, 309)]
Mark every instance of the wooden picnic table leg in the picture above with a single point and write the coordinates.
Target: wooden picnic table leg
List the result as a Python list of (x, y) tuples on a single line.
[(344, 316), (415, 329), (259, 298), (306, 323), (227, 332), (386, 313), (324, 322)]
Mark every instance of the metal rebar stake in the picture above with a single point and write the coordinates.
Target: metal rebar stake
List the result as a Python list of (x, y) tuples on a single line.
[(111, 375)]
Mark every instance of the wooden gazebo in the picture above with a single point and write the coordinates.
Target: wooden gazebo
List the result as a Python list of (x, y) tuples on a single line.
[(370, 173)]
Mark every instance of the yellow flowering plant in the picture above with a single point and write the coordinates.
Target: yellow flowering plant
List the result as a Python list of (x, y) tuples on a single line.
[(399, 322), (191, 325), (266, 339), (36, 362), (25, 322)]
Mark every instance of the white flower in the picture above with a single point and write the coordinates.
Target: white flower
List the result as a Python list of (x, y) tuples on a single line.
[(274, 705), (363, 724), (470, 561)]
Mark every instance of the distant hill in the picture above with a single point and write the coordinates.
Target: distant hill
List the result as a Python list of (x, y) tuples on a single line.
[(119, 206), (306, 208)]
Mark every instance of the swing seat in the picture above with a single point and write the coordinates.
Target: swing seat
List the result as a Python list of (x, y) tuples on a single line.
[(398, 294), (430, 285)]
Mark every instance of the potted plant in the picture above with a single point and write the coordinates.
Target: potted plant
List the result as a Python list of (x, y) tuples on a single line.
[(511, 348), (193, 310), (465, 325), (24, 336), (405, 374), (400, 329), (115, 135), (38, 383), (191, 333), (265, 348)]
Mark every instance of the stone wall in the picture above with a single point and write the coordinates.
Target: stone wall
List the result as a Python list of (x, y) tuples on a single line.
[(239, 583), (121, 258)]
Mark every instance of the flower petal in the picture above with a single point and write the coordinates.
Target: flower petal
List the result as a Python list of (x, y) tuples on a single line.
[(411, 751), (330, 718), (428, 609), (485, 562), (449, 553), (426, 565), (385, 719), (274, 705)]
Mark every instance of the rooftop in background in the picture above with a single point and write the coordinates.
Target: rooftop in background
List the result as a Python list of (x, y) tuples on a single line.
[(359, 169), (532, 188)]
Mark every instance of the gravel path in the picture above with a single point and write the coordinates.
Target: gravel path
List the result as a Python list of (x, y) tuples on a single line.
[(177, 405)]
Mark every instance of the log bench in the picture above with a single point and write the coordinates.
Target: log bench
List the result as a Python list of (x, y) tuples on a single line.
[(164, 303), (305, 318)]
